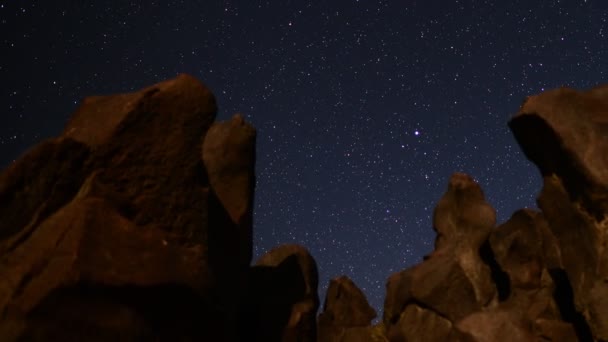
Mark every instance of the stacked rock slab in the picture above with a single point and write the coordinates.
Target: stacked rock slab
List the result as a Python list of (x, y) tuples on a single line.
[(127, 226)]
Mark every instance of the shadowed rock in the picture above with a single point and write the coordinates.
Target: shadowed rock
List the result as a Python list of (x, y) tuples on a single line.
[(565, 133), (524, 247), (345, 308), (118, 213), (229, 153), (282, 300)]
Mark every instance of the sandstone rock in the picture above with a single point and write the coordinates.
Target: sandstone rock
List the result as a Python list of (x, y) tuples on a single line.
[(35, 186), (541, 276), (345, 309), (462, 218), (229, 153), (453, 281), (116, 230), (282, 300), (419, 324), (523, 246), (565, 133)]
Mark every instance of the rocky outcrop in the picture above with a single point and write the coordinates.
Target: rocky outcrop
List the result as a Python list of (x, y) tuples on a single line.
[(136, 224), (346, 313), (453, 282), (565, 133), (129, 225), (483, 283), (539, 276)]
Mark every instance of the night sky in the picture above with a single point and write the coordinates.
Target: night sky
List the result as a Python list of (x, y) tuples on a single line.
[(363, 108)]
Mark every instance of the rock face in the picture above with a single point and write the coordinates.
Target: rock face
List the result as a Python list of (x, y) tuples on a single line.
[(346, 312), (131, 224), (565, 133)]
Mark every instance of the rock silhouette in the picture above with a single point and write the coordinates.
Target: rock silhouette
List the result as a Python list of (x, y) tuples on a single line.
[(135, 223)]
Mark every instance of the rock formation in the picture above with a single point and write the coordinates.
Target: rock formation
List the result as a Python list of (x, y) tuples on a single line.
[(565, 133), (346, 315), (136, 224), (539, 276), (454, 281), (125, 227)]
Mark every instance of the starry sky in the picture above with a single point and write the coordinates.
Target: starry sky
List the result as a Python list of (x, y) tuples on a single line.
[(364, 108)]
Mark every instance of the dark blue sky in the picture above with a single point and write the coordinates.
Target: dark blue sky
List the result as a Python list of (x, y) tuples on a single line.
[(363, 108)]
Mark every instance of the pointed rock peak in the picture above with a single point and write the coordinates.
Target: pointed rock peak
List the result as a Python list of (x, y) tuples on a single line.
[(462, 215)]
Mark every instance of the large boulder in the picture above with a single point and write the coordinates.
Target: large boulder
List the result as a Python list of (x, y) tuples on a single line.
[(122, 227), (565, 133)]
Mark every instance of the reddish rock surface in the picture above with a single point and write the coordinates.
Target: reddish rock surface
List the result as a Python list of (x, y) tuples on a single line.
[(453, 281), (565, 133), (345, 312), (117, 230), (539, 276)]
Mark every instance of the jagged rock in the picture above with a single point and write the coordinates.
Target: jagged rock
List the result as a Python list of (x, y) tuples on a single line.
[(549, 270), (346, 314), (114, 230), (282, 299), (135, 224), (564, 132), (453, 281), (523, 246), (526, 250), (419, 324)]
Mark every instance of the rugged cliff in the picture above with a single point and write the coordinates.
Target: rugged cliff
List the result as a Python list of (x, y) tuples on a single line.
[(136, 224)]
